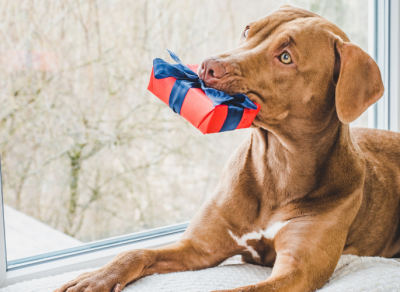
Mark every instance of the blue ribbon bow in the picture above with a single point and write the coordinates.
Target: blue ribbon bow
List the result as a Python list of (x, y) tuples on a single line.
[(187, 79)]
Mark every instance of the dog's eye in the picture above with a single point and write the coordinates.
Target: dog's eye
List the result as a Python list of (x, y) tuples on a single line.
[(246, 32), (285, 58)]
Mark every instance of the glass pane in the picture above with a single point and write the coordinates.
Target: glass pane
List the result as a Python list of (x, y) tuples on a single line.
[(88, 153)]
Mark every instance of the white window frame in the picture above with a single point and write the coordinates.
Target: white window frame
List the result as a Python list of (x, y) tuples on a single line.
[(90, 255), (383, 45), (384, 29)]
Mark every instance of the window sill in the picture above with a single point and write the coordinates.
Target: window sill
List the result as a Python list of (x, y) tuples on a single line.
[(84, 260)]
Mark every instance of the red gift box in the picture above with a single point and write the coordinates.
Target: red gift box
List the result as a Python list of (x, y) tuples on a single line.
[(197, 108)]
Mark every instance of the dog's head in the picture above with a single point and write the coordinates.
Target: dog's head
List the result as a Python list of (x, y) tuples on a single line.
[(301, 68)]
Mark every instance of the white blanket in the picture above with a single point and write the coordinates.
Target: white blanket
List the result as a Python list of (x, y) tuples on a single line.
[(351, 274)]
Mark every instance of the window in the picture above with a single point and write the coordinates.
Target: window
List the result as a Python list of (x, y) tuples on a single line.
[(89, 157)]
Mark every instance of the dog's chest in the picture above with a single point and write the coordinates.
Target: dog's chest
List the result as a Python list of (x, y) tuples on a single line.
[(258, 246)]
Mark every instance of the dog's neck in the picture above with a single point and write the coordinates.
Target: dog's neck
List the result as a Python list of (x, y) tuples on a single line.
[(295, 159)]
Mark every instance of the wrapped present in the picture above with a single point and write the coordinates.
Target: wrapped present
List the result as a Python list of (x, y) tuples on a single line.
[(208, 109)]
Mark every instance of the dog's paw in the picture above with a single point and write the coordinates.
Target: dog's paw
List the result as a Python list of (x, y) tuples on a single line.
[(98, 281)]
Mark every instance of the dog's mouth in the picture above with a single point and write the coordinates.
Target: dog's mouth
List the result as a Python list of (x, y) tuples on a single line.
[(251, 94), (224, 77), (224, 89), (228, 85), (221, 75)]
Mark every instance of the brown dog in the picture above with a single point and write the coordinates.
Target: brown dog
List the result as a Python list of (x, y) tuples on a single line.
[(302, 189)]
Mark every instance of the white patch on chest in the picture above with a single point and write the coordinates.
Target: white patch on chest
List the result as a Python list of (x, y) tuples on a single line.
[(268, 233)]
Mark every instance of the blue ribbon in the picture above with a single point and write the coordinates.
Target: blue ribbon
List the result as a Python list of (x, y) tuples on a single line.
[(187, 79)]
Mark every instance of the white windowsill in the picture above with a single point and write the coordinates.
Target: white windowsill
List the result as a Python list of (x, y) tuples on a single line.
[(85, 261)]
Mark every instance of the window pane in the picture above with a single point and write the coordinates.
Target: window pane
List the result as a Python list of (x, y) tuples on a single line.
[(87, 152)]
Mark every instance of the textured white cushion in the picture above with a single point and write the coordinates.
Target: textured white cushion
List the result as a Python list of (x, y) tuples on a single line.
[(352, 274)]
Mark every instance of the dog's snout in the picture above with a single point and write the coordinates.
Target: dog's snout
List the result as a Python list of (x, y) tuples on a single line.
[(210, 70)]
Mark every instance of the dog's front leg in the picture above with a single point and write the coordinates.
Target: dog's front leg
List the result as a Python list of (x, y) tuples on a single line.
[(132, 265)]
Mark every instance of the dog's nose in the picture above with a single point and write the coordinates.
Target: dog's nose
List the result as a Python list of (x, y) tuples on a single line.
[(210, 70)]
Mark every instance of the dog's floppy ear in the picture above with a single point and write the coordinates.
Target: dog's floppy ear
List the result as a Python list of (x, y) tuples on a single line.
[(359, 84)]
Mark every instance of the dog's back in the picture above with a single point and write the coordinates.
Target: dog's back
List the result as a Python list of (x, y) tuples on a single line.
[(380, 209)]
